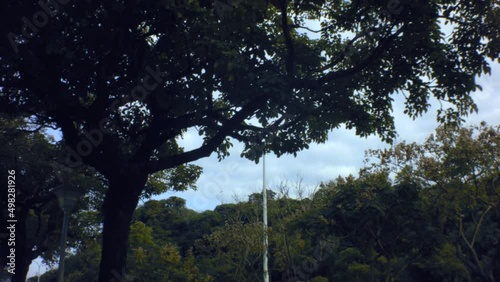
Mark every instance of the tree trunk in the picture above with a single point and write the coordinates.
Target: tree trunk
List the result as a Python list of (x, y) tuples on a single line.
[(22, 267), (119, 205), (23, 255)]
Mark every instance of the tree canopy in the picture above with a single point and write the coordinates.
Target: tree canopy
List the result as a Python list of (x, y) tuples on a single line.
[(125, 80)]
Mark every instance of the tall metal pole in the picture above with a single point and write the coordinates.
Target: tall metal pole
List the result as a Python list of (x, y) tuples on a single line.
[(67, 196), (63, 245), (264, 220), (38, 273)]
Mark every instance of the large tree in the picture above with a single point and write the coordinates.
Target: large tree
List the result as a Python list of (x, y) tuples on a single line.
[(124, 80), (460, 169)]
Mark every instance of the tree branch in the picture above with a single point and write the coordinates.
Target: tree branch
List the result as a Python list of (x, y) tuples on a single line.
[(478, 226), (317, 83), (211, 145), (471, 249), (290, 61)]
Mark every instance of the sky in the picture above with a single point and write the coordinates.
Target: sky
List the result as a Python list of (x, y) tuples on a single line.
[(234, 178)]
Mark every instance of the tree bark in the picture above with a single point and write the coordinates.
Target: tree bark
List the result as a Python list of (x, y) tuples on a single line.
[(23, 255), (22, 268), (119, 206)]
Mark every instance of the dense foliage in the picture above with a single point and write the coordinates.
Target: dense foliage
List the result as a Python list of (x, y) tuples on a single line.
[(124, 80), (33, 157), (418, 212)]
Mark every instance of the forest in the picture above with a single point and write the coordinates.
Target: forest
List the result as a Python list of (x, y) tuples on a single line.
[(415, 212)]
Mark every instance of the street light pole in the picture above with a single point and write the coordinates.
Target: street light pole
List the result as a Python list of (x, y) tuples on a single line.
[(67, 196), (62, 248), (38, 273), (264, 219)]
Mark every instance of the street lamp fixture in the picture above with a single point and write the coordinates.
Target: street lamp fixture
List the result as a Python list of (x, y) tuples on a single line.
[(68, 196)]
